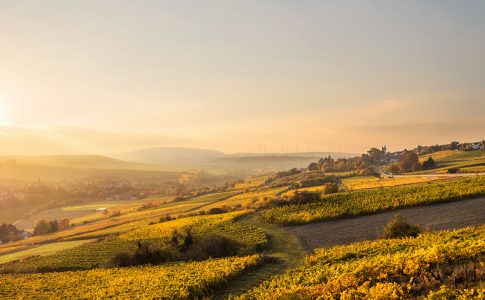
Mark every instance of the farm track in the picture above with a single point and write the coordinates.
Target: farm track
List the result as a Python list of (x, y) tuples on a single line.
[(442, 216), (439, 175), (282, 246)]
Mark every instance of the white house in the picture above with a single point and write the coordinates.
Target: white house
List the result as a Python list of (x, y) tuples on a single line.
[(475, 146), (25, 235)]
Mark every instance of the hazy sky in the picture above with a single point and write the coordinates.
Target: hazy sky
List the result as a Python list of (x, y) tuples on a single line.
[(113, 76)]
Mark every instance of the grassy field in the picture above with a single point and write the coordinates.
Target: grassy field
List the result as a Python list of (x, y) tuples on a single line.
[(282, 246), (466, 161), (42, 250), (92, 206), (371, 182), (250, 183), (100, 253), (245, 200)]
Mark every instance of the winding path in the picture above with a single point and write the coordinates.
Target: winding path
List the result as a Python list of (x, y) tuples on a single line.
[(283, 246)]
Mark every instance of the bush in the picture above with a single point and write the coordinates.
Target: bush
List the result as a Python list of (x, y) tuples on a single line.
[(179, 247), (303, 197), (213, 247), (453, 170), (166, 218), (398, 228), (330, 188), (216, 210), (369, 171), (318, 181)]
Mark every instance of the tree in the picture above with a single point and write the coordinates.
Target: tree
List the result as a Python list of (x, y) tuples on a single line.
[(408, 160), (429, 164), (313, 167), (376, 156), (42, 227), (9, 233), (54, 226), (63, 224)]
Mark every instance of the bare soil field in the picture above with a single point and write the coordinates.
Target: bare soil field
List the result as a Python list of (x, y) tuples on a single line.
[(451, 215)]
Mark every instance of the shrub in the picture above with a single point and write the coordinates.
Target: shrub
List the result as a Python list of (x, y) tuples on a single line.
[(318, 181), (398, 227), (216, 210), (303, 197), (330, 188), (179, 247), (453, 170), (369, 171), (166, 218)]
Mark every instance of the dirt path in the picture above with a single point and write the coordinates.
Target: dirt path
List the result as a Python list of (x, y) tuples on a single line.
[(451, 215), (282, 245)]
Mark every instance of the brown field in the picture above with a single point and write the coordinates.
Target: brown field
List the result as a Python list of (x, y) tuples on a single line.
[(452, 215)]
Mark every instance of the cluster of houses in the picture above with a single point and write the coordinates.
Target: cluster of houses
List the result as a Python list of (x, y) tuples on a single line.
[(475, 146)]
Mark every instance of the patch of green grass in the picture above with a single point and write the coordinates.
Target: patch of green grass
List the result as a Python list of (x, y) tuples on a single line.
[(42, 250), (90, 206), (472, 160), (282, 246)]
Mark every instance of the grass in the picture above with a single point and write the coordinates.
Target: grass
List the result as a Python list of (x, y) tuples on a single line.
[(90, 206), (100, 253), (42, 250), (251, 183), (370, 182), (464, 160), (283, 246), (99, 225), (244, 199)]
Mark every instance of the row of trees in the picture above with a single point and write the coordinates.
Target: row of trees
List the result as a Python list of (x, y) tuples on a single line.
[(455, 145), (365, 163), (45, 227)]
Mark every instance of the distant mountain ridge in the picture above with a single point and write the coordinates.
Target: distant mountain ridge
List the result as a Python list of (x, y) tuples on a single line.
[(170, 155), (206, 159)]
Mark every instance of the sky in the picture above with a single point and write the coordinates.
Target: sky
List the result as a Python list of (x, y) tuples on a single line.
[(114, 76)]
